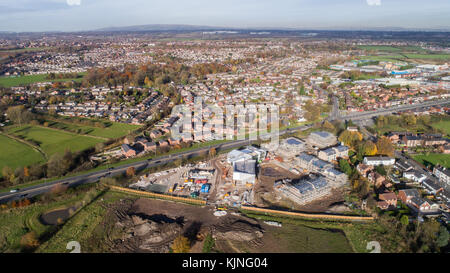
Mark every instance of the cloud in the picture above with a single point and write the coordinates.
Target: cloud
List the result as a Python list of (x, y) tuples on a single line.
[(73, 2), (369, 2)]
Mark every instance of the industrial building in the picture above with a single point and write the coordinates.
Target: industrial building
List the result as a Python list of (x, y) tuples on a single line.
[(321, 139), (244, 172)]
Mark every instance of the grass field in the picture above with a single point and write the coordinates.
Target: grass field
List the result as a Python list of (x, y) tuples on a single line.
[(17, 222), (16, 154), (26, 80), (115, 130), (402, 53), (433, 159), (443, 125), (393, 49), (82, 227), (54, 141), (20, 50)]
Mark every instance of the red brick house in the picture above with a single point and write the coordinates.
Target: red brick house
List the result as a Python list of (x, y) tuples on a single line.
[(388, 197), (128, 151)]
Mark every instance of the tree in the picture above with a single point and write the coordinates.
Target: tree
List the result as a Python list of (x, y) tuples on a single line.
[(369, 148), (212, 152), (131, 172), (29, 241), (327, 126), (409, 119), (19, 114), (345, 167), (443, 237), (181, 244), (55, 165), (7, 173), (312, 111), (404, 220), (385, 147), (350, 138)]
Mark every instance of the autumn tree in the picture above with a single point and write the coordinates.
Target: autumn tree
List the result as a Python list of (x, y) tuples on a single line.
[(181, 244), (409, 119), (212, 152), (350, 138), (385, 147), (29, 241), (7, 173), (312, 111), (131, 172), (19, 114), (369, 148)]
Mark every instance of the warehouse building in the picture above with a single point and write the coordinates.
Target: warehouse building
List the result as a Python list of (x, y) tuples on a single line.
[(244, 172)]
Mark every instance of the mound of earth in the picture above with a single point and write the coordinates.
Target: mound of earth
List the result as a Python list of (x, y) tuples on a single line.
[(236, 229), (143, 234)]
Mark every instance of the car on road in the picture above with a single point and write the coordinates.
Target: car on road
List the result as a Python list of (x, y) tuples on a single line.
[(24, 195), (14, 190), (65, 183)]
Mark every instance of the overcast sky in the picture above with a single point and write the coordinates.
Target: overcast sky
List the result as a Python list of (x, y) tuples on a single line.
[(73, 15)]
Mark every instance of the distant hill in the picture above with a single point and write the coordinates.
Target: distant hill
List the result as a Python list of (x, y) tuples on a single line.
[(161, 27)]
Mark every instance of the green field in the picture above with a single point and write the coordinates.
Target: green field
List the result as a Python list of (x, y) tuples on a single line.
[(433, 159), (85, 227), (443, 125), (16, 154), (393, 49), (17, 222), (114, 130), (26, 80), (21, 50), (401, 53), (54, 141)]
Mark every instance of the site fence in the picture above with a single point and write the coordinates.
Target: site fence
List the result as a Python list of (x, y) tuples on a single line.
[(307, 215), (160, 196)]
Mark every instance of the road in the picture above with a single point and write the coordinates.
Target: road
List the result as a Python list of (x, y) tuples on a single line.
[(390, 110), (140, 165)]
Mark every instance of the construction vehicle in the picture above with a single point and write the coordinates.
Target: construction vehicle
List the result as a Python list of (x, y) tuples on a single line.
[(173, 188)]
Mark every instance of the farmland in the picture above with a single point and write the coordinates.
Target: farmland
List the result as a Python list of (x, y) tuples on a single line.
[(402, 53), (15, 154), (26, 80), (54, 141)]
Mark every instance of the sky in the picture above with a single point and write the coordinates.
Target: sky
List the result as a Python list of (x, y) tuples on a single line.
[(79, 15)]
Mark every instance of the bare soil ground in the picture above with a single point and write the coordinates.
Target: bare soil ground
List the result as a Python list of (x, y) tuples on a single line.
[(148, 225)]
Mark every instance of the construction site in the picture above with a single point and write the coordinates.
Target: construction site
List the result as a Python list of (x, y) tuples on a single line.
[(293, 174), (187, 181)]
